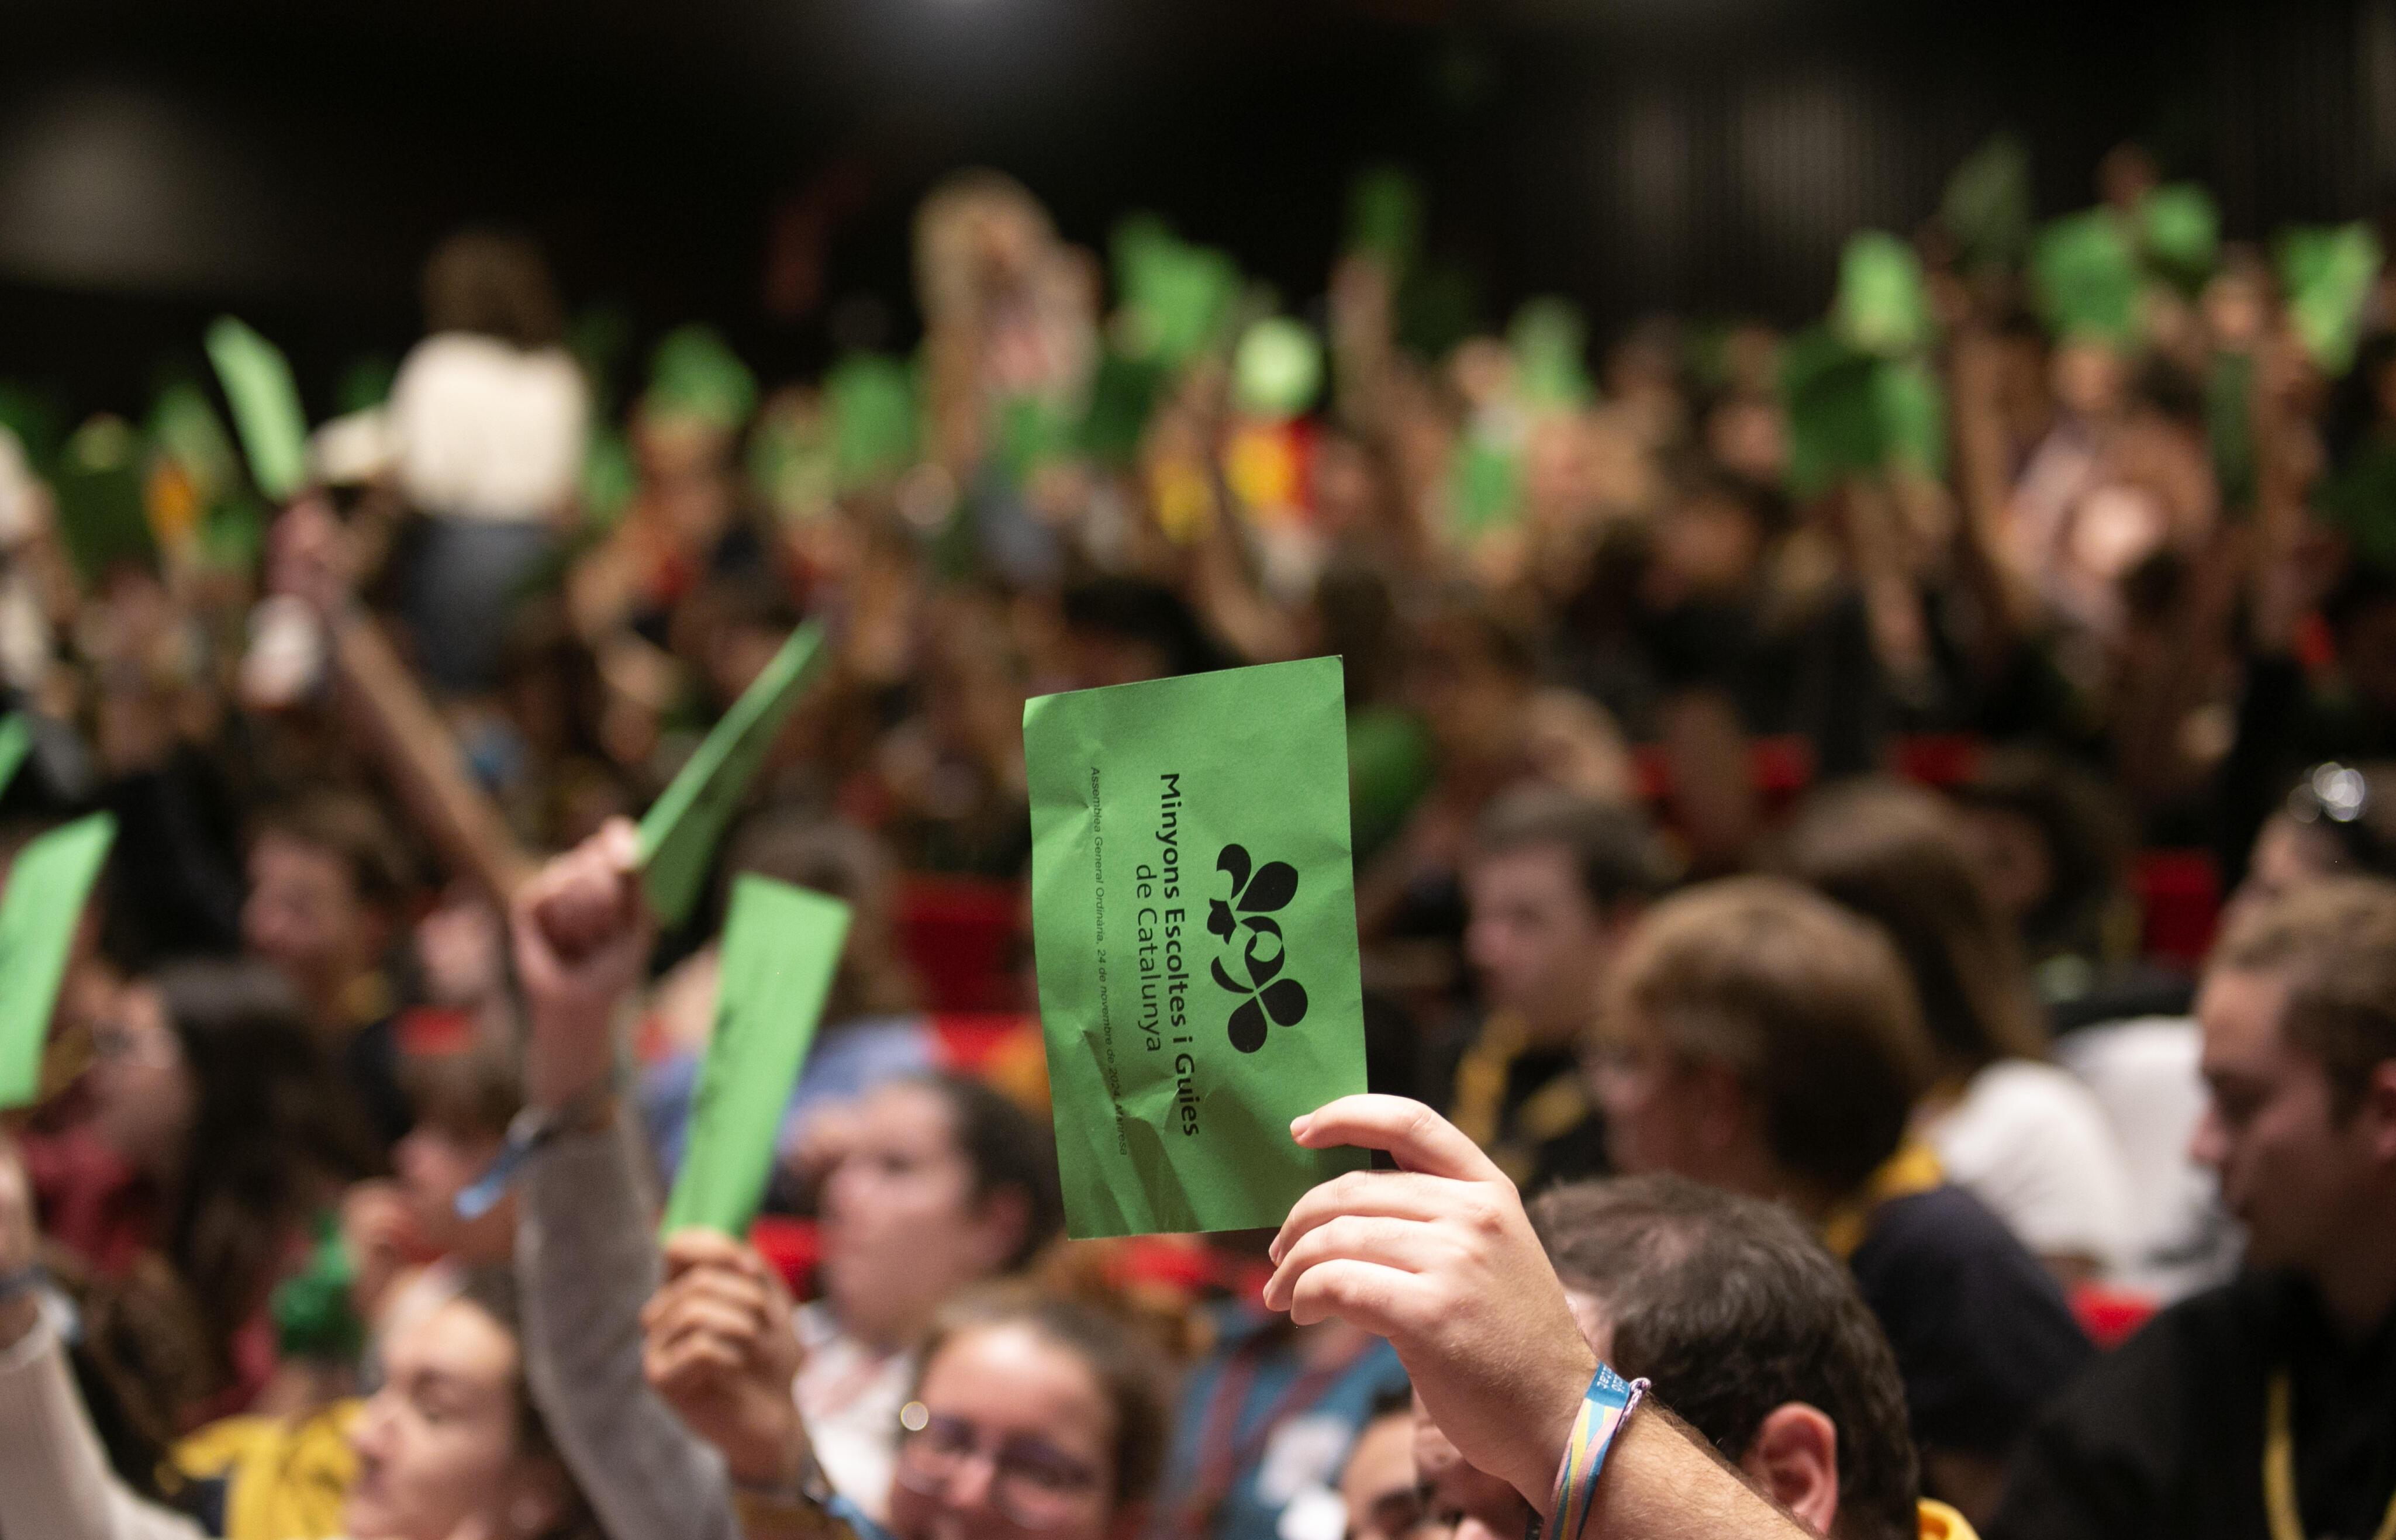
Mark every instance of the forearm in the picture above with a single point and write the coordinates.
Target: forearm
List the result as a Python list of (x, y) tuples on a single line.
[(55, 1483), (589, 1261), (1661, 1481), (421, 756)]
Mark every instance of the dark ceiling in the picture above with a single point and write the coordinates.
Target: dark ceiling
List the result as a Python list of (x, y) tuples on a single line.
[(754, 162)]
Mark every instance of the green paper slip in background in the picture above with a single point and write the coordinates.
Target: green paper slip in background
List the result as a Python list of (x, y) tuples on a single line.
[(38, 915), (266, 411), (678, 834), (1194, 913), (781, 947), (16, 742)]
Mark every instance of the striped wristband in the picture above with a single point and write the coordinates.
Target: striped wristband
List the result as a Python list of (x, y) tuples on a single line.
[(1608, 1405)]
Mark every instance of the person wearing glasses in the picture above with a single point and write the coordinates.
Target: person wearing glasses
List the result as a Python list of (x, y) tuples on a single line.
[(675, 1405)]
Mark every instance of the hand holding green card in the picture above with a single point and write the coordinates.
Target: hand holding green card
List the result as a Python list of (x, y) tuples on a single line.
[(781, 946), (1195, 917), (39, 911), (679, 832), (266, 410)]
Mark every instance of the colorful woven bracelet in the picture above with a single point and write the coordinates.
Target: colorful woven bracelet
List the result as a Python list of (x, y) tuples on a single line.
[(1608, 1405)]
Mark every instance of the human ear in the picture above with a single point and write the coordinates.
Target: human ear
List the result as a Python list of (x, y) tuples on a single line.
[(1795, 1458)]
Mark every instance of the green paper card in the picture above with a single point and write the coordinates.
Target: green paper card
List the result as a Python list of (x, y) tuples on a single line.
[(16, 742), (1194, 916), (47, 885), (103, 514), (679, 831), (781, 947), (266, 410)]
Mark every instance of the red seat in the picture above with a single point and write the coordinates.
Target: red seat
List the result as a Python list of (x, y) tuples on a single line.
[(961, 934), (2179, 897)]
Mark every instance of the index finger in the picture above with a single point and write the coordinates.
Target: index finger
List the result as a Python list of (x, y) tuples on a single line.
[(1417, 1137)]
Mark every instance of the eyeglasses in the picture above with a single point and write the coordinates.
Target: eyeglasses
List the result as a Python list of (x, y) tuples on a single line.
[(116, 1040), (1031, 1483)]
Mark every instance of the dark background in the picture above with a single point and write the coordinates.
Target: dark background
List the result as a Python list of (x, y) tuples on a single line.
[(755, 163)]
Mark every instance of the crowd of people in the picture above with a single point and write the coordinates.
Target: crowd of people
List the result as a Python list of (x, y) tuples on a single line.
[(1875, 867)]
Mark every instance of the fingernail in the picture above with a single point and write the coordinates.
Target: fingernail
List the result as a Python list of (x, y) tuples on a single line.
[(1297, 1125)]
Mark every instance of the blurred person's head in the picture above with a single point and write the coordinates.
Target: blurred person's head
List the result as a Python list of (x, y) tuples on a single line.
[(327, 882), (1553, 883), (942, 1182), (463, 1103), (1896, 856), (1760, 1038), (2049, 841), (493, 284), (1459, 1498), (1121, 631), (1032, 1413), (1470, 675), (2298, 1013), (1751, 1332), (452, 1444), (1377, 1485), (211, 1084), (844, 861), (2338, 821)]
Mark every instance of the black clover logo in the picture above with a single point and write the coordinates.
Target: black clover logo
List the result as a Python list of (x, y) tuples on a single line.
[(1255, 896)]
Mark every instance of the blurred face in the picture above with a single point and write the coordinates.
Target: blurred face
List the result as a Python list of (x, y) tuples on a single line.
[(901, 1229), (1012, 1436), (434, 1165), (1535, 939), (1663, 1113), (1471, 1502), (2297, 1176), (304, 915), (1471, 705), (438, 1449), (1378, 1488), (2011, 852), (143, 1099)]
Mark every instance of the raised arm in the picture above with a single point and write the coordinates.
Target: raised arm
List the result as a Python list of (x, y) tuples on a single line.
[(1440, 1258), (388, 706), (585, 1249)]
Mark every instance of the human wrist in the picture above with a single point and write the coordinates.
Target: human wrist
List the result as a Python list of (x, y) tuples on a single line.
[(1535, 1475)]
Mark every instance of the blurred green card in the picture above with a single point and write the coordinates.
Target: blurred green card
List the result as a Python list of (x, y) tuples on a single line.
[(16, 742), (781, 947), (39, 912), (678, 834), (1194, 913), (266, 411)]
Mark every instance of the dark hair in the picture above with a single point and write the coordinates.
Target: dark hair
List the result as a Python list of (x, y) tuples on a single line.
[(1127, 1366), (494, 1291), (272, 1134), (1731, 1308), (1805, 1003), (847, 863), (494, 285), (1007, 1148), (349, 825), (1892, 854), (2085, 833), (1137, 610), (2334, 943), (1612, 849)]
